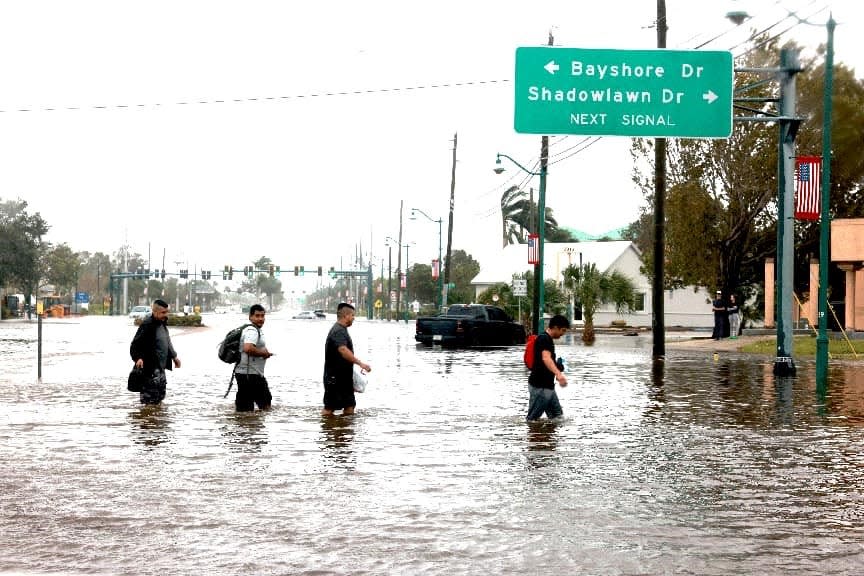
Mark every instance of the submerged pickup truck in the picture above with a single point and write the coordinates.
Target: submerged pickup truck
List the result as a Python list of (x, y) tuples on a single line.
[(470, 325)]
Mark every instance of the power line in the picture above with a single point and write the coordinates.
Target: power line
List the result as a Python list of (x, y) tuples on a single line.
[(312, 95)]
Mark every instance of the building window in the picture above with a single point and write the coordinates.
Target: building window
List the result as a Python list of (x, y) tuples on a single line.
[(639, 304)]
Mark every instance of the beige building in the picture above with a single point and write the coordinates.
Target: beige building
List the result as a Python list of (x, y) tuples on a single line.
[(847, 252)]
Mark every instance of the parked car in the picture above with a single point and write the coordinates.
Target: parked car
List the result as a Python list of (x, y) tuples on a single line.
[(470, 325), (305, 315), (139, 312)]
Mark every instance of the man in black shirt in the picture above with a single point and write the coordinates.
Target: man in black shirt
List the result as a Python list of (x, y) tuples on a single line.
[(545, 371), (339, 360)]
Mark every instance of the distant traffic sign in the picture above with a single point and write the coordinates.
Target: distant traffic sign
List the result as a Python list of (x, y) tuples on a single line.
[(660, 93)]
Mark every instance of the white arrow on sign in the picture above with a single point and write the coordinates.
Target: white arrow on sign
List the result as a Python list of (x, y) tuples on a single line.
[(551, 67), (709, 96)]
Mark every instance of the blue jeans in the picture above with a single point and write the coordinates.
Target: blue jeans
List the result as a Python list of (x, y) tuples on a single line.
[(542, 400)]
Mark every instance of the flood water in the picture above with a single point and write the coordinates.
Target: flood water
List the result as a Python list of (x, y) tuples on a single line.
[(711, 466)]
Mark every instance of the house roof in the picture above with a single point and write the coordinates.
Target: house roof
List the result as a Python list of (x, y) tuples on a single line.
[(513, 259)]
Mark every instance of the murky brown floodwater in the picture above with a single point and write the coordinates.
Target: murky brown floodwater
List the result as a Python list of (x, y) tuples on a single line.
[(714, 467)]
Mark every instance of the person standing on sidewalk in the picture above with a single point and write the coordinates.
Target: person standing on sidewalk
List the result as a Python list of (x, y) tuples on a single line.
[(734, 317), (252, 387), (151, 350), (719, 308), (339, 360), (545, 371)]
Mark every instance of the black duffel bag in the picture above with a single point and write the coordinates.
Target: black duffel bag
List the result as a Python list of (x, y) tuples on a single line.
[(136, 380)]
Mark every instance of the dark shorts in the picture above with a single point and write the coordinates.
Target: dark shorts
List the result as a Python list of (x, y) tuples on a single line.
[(153, 389), (339, 394), (252, 389)]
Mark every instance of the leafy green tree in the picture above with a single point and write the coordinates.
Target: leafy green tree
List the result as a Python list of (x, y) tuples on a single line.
[(94, 277), (62, 267), (721, 214), (464, 269), (421, 286), (593, 288), (21, 246)]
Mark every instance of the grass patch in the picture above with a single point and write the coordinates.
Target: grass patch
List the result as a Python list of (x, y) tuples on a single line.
[(806, 346)]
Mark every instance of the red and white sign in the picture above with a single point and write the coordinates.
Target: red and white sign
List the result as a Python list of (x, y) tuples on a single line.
[(533, 251), (808, 177)]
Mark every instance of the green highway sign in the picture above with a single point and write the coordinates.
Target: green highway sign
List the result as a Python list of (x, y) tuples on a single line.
[(604, 92)]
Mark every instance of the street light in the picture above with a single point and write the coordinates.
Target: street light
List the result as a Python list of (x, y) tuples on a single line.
[(440, 263), (824, 218), (537, 304)]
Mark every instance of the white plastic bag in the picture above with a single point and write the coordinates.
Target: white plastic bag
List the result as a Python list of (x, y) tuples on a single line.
[(360, 379)]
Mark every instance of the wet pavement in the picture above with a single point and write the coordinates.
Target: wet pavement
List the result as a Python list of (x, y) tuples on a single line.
[(708, 465)]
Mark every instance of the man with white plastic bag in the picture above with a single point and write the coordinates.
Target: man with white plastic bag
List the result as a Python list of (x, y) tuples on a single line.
[(339, 363)]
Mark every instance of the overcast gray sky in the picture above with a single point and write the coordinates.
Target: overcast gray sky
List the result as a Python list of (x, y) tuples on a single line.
[(213, 129)]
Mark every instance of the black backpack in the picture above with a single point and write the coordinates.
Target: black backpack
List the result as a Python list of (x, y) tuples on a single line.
[(229, 348)]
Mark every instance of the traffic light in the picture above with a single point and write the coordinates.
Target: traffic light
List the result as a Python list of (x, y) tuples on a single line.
[(272, 270), (163, 274), (278, 271), (302, 271), (332, 272), (320, 270), (296, 270)]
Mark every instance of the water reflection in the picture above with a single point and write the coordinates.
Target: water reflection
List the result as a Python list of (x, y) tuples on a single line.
[(692, 465), (151, 425), (245, 431), (337, 435)]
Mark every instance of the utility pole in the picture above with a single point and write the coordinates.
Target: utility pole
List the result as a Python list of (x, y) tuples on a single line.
[(783, 363), (539, 279), (450, 222), (658, 323), (399, 264)]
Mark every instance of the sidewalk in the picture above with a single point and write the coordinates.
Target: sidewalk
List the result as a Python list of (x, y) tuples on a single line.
[(708, 343)]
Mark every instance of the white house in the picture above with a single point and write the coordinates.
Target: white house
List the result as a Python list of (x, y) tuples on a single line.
[(686, 307)]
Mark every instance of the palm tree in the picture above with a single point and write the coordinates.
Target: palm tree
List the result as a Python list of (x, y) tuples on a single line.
[(518, 217), (513, 205), (593, 288)]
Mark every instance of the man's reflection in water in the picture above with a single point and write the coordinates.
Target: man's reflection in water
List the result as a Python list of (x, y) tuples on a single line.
[(151, 425), (542, 442), (656, 400), (245, 431), (337, 433)]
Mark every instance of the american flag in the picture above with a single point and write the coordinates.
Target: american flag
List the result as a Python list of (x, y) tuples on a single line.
[(808, 176), (533, 244)]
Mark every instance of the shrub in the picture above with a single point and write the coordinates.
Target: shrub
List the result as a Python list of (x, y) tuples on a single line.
[(180, 320)]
